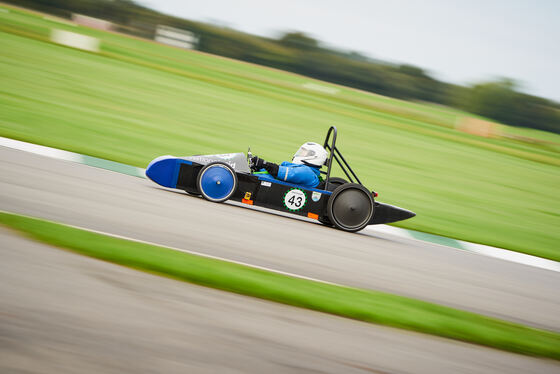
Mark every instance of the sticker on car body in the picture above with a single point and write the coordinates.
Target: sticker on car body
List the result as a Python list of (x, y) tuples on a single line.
[(315, 196), (294, 199)]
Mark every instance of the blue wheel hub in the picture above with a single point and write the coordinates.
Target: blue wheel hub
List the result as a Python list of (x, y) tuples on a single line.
[(217, 182)]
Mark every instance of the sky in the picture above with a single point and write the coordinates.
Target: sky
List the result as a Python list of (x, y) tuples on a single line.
[(464, 42)]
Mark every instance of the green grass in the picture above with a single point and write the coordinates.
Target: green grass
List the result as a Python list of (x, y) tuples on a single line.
[(363, 305), (136, 100)]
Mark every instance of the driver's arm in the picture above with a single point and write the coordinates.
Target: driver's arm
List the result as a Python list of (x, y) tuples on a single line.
[(259, 163), (298, 174)]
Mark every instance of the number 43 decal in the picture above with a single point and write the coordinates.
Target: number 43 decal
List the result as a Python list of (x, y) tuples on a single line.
[(294, 199)]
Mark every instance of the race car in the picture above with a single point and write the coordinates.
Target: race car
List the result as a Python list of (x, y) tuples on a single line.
[(345, 204)]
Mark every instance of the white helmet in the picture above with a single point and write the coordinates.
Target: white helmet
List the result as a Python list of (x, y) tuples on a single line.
[(310, 154)]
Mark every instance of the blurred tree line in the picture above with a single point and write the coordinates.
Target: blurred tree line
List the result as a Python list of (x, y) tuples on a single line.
[(296, 52)]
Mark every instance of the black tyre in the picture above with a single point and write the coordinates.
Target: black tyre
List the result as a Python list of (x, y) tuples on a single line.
[(217, 182), (350, 207)]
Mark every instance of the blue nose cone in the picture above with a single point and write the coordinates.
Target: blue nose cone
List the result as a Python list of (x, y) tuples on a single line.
[(162, 170)]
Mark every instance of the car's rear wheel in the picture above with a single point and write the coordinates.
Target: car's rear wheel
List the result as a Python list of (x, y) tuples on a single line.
[(217, 182), (350, 207)]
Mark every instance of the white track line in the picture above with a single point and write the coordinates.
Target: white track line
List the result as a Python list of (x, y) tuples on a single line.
[(505, 254), (41, 150), (481, 249), (185, 251)]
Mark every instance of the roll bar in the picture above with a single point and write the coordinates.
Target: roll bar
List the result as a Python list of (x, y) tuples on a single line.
[(335, 153)]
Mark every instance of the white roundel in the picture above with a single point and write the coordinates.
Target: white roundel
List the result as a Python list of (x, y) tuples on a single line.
[(295, 199)]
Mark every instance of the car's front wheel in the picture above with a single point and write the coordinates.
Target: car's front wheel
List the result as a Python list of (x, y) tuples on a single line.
[(217, 182)]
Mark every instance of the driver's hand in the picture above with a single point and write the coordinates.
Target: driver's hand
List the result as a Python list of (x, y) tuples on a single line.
[(257, 163)]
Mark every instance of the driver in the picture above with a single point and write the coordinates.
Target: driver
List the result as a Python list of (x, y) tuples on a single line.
[(303, 170)]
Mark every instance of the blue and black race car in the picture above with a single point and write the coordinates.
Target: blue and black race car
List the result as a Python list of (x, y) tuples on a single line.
[(344, 204)]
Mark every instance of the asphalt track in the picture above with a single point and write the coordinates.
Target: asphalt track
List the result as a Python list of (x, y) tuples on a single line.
[(66, 313)]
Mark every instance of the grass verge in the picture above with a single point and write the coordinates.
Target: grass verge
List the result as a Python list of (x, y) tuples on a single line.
[(363, 305)]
